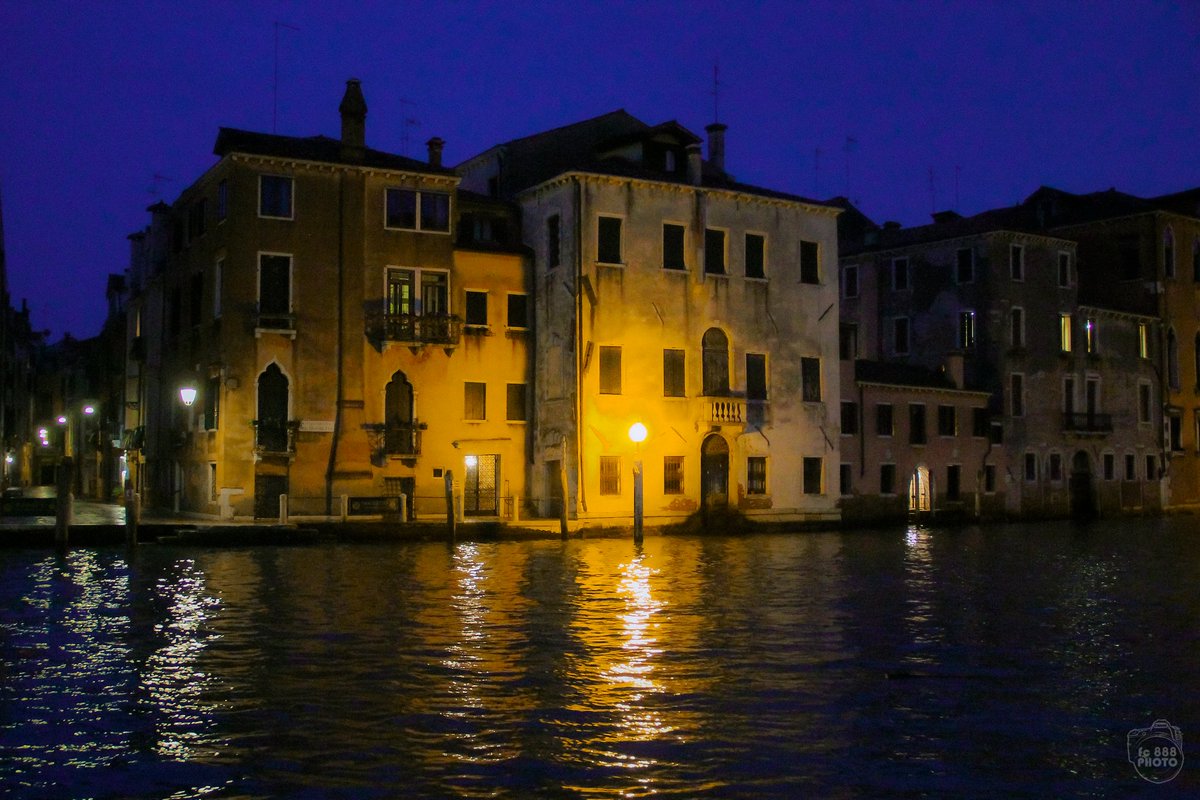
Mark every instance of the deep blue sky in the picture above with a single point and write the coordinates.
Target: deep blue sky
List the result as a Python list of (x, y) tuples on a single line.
[(98, 99)]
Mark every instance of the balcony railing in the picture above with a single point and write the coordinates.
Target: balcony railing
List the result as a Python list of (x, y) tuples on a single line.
[(277, 437), (726, 411), (275, 321), (444, 329), (402, 440), (1085, 422)]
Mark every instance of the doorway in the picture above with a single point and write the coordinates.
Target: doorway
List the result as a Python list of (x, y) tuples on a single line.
[(267, 489), (919, 492), (714, 472), (1083, 500), (480, 498)]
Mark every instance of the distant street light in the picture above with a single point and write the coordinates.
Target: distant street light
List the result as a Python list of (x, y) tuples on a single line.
[(637, 435)]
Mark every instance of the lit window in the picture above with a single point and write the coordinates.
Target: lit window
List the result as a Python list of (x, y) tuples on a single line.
[(1064, 332), (756, 475)]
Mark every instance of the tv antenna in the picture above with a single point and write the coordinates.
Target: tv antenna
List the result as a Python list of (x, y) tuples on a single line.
[(409, 124), (275, 82), (716, 91)]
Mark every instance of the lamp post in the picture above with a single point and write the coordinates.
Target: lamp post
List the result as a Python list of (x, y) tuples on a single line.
[(637, 435), (187, 394)]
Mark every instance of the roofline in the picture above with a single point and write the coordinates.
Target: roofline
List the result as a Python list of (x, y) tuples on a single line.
[(884, 250), (912, 387)]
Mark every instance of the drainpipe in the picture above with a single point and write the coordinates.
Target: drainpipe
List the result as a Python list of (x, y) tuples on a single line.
[(341, 324), (580, 497)]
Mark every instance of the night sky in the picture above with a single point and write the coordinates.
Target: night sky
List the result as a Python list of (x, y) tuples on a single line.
[(107, 108)]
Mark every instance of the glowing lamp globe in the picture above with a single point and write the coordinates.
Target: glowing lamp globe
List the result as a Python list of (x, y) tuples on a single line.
[(637, 432)]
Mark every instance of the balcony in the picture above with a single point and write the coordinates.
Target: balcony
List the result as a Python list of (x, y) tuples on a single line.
[(726, 411), (1085, 422), (275, 437), (437, 329), (397, 440)]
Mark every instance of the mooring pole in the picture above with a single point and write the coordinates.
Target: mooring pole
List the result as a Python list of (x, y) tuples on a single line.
[(64, 501), (131, 514), (451, 517), (637, 502)]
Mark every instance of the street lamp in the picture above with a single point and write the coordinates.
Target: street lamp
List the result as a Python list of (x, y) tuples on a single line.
[(187, 394), (637, 435)]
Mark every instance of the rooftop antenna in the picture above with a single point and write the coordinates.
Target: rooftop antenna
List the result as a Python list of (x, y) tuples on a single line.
[(409, 124), (275, 82), (716, 90), (849, 147)]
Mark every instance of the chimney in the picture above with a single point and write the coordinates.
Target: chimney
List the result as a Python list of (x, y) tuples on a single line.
[(435, 146), (716, 144), (354, 116), (694, 164), (954, 369)]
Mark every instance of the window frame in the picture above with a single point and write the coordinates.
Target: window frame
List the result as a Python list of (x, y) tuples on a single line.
[(601, 248), (468, 295), (291, 215), (669, 369), (682, 254), (419, 225), (850, 269), (756, 476), (291, 308), (508, 319), (724, 234), (1016, 265), (805, 463), (673, 475), (762, 255), (907, 272), (606, 354), (509, 394), (807, 365), (810, 262), (958, 266), (468, 400), (609, 476)]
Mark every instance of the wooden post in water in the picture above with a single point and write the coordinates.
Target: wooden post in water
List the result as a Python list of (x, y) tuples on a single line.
[(63, 506), (451, 517), (562, 481), (637, 501)]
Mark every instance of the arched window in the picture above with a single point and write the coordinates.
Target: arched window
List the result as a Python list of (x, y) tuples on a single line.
[(399, 435), (716, 363), (272, 426), (1169, 253), (1172, 360)]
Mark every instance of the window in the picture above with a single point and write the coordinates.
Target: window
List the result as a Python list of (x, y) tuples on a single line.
[(1130, 467), (610, 475), (275, 196), (884, 425), (1172, 360), (980, 422), (966, 329), (1151, 468), (714, 251), (1131, 258), (1031, 467), (1110, 466), (518, 311), (756, 475), (198, 218), (953, 480), (847, 341), (1169, 253), (553, 253), (514, 408), (916, 423), (845, 474), (810, 379), (1064, 270), (715, 364), (899, 274), (1016, 318), (850, 281), (411, 210), (274, 291), (673, 373), (1144, 342), (756, 377), (887, 478), (477, 308), (947, 421), (849, 418), (1016, 262), (222, 200), (212, 404), (1069, 395), (965, 267), (900, 336), (1175, 431), (672, 474), (756, 251), (610, 370), (1196, 259), (1145, 403), (1055, 467), (810, 265), (212, 481), (608, 240), (1064, 332), (989, 478), (673, 246), (474, 401), (813, 469), (218, 270), (1091, 333), (1016, 393)]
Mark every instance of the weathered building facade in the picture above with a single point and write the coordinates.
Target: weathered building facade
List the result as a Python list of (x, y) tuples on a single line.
[(668, 294), (344, 335)]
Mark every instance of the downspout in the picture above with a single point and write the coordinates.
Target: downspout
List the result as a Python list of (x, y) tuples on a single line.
[(338, 347), (580, 496)]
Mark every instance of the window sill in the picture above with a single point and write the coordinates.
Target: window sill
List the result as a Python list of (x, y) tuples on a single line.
[(680, 270), (757, 279), (288, 332), (721, 275), (281, 219), (612, 264), (470, 329), (473, 421)]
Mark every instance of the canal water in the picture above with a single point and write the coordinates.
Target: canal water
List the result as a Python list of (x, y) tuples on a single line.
[(1007, 661)]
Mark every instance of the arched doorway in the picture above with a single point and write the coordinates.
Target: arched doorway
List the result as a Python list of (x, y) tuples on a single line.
[(714, 472), (272, 410), (1083, 500), (399, 436), (919, 492)]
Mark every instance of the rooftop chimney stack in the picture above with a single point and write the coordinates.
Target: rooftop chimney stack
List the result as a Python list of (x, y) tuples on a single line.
[(695, 164), (435, 146), (354, 116), (716, 144)]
